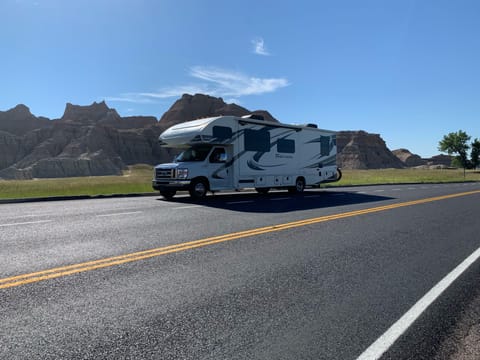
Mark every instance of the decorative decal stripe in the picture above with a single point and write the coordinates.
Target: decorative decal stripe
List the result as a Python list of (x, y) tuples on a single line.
[(254, 164)]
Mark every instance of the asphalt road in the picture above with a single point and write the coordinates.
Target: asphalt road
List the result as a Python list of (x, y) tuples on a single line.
[(319, 276)]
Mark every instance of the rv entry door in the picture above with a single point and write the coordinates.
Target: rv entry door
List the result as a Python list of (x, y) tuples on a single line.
[(220, 169)]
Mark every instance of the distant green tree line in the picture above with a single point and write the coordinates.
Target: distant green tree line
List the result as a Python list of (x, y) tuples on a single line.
[(456, 143)]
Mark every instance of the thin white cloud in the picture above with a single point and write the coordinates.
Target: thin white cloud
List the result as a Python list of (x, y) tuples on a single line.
[(236, 84), (259, 47), (131, 98), (215, 82)]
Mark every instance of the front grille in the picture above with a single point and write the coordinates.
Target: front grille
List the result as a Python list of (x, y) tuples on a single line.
[(164, 173)]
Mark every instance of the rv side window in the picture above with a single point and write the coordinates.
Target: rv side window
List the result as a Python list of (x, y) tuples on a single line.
[(221, 132), (324, 145), (286, 146), (257, 140)]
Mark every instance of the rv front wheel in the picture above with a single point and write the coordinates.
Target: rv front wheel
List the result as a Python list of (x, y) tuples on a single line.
[(299, 186), (168, 194), (198, 189)]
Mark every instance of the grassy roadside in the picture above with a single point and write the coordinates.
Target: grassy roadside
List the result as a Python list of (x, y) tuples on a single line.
[(137, 179), (404, 176)]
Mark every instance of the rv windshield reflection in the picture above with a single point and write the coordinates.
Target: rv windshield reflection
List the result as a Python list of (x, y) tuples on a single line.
[(194, 153)]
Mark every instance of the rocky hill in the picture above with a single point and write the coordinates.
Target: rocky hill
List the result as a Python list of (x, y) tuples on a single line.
[(101, 114), (190, 107), (413, 160), (409, 159), (361, 150), (19, 121), (440, 160), (85, 141), (96, 140)]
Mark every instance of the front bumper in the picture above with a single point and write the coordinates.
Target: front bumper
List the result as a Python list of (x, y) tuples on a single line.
[(165, 184)]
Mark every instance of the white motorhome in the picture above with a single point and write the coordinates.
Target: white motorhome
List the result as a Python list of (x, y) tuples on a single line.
[(231, 153)]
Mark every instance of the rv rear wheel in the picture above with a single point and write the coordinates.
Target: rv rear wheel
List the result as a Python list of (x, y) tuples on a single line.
[(299, 186), (198, 188), (262, 190)]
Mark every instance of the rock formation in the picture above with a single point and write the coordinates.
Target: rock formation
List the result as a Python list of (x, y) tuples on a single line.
[(361, 150), (10, 149), (85, 141), (439, 161), (409, 159), (190, 107), (19, 121), (96, 140), (412, 160)]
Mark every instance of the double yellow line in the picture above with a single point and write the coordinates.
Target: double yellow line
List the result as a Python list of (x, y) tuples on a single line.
[(141, 255)]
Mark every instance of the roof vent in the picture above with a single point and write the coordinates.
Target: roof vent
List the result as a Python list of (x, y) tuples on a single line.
[(253, 116), (312, 126)]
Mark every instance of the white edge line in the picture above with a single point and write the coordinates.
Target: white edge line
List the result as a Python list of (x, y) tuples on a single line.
[(26, 223), (122, 213), (384, 342), (29, 216)]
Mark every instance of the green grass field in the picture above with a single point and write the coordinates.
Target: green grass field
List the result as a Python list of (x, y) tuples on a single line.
[(137, 179), (404, 176)]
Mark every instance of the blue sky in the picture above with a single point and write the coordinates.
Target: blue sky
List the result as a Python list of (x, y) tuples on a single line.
[(408, 70)]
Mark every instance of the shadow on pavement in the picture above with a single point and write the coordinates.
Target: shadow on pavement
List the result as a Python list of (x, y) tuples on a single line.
[(279, 202)]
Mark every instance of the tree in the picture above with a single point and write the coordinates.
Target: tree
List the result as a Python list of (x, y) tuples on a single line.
[(474, 155), (456, 143)]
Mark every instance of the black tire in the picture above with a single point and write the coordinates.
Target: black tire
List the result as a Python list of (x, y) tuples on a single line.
[(168, 194), (198, 189), (299, 186), (262, 191)]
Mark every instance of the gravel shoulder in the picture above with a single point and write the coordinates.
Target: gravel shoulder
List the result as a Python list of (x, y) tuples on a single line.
[(464, 341)]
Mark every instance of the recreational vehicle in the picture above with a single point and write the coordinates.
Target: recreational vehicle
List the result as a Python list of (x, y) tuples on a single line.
[(231, 153)]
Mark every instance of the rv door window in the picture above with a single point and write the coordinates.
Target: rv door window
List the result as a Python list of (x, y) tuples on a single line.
[(324, 145), (195, 153)]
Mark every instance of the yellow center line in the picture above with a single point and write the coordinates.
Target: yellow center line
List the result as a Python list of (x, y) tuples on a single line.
[(146, 254)]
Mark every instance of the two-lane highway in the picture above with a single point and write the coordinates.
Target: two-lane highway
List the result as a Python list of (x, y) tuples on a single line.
[(322, 275)]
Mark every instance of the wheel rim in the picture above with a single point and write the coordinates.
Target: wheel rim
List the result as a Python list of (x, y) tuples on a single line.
[(300, 185), (200, 189)]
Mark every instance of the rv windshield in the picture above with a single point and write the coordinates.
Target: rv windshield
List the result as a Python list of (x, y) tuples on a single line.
[(195, 153)]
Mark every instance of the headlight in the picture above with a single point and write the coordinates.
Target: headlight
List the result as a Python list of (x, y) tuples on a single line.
[(182, 173)]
